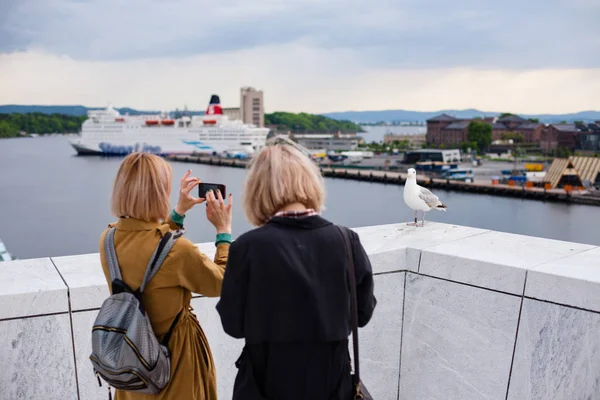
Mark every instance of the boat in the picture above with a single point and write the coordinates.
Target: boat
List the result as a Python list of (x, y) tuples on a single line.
[(107, 132), (4, 254), (458, 174), (435, 166)]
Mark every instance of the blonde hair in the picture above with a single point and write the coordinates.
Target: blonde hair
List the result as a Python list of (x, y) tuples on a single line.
[(142, 188), (281, 175)]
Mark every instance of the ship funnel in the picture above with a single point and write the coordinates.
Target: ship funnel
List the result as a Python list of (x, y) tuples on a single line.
[(214, 107)]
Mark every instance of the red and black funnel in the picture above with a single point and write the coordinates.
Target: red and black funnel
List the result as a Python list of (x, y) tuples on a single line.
[(214, 107)]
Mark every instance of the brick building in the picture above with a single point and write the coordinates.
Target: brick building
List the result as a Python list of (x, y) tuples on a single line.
[(414, 141), (449, 131), (571, 137)]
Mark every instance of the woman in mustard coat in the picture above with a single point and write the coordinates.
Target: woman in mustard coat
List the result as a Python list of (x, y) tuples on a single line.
[(140, 200)]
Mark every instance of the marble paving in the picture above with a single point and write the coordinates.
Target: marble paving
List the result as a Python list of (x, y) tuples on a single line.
[(396, 247), (84, 277), (572, 281), (494, 260), (31, 287)]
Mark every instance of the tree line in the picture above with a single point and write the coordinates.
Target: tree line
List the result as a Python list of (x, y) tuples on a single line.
[(309, 123), (11, 125)]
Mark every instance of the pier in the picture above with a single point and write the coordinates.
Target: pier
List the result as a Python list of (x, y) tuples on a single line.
[(211, 160), (534, 193), (510, 316), (398, 178)]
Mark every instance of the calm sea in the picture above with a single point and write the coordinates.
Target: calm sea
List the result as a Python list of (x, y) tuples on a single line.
[(54, 203)]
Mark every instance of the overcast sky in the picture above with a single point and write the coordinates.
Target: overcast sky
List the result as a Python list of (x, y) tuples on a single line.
[(307, 55)]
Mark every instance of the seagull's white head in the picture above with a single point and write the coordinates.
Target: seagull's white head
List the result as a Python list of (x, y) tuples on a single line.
[(411, 173)]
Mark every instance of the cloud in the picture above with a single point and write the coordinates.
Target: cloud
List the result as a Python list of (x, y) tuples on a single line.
[(483, 34), (294, 78), (308, 55)]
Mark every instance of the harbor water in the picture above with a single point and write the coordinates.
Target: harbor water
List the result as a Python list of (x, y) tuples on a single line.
[(54, 203)]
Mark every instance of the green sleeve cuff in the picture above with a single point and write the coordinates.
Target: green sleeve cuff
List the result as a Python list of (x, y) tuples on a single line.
[(178, 219), (223, 238)]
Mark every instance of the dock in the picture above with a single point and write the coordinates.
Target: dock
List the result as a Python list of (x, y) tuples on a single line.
[(211, 160), (398, 178)]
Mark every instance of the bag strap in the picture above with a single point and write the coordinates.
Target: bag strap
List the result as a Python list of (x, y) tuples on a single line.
[(111, 255), (353, 307), (158, 257), (167, 337)]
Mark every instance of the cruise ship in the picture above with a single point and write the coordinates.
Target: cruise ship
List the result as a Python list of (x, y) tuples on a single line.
[(107, 132)]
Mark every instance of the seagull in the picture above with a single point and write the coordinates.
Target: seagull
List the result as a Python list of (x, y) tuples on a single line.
[(418, 198)]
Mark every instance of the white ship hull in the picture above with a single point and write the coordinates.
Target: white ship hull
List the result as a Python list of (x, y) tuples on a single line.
[(106, 132), (180, 144)]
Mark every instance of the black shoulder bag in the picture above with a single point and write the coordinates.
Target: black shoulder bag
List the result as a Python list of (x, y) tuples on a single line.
[(359, 391)]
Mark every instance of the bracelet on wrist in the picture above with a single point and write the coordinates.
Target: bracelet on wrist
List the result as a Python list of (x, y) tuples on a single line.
[(223, 238), (177, 218)]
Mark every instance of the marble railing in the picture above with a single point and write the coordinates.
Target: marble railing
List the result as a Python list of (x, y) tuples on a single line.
[(462, 314)]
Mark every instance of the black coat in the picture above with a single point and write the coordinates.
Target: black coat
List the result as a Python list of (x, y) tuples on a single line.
[(285, 291)]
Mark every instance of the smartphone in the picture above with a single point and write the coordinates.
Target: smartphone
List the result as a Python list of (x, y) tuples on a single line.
[(205, 187)]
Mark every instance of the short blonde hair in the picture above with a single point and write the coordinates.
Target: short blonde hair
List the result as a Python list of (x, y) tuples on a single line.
[(281, 175), (142, 188)]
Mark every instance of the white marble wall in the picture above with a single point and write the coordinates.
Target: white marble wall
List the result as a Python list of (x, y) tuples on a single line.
[(457, 340), (36, 348), (36, 356), (380, 340), (462, 313), (558, 354), (225, 349)]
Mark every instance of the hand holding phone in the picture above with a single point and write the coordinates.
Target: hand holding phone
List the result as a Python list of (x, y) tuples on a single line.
[(186, 202), (205, 187), (218, 212)]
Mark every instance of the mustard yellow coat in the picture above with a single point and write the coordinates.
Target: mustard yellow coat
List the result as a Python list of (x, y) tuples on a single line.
[(185, 270)]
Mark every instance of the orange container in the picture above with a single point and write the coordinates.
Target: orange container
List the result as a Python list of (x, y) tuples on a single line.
[(494, 181), (511, 183), (568, 188), (548, 186), (529, 184)]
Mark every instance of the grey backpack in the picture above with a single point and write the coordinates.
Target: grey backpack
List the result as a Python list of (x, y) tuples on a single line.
[(125, 350)]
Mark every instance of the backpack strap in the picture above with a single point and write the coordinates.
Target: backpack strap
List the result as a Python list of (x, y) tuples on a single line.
[(158, 257), (111, 255)]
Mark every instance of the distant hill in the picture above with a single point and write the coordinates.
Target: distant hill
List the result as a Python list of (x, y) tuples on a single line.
[(283, 120), (414, 116), (66, 110), (74, 110), (354, 116)]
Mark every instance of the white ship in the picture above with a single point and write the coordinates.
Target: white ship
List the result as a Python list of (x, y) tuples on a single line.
[(107, 132), (4, 254)]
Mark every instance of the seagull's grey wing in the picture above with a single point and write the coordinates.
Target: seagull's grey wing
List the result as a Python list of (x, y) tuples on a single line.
[(429, 198)]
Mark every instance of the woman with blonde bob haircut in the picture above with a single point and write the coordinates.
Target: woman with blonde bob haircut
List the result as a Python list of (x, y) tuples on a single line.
[(140, 200), (281, 176), (285, 289)]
